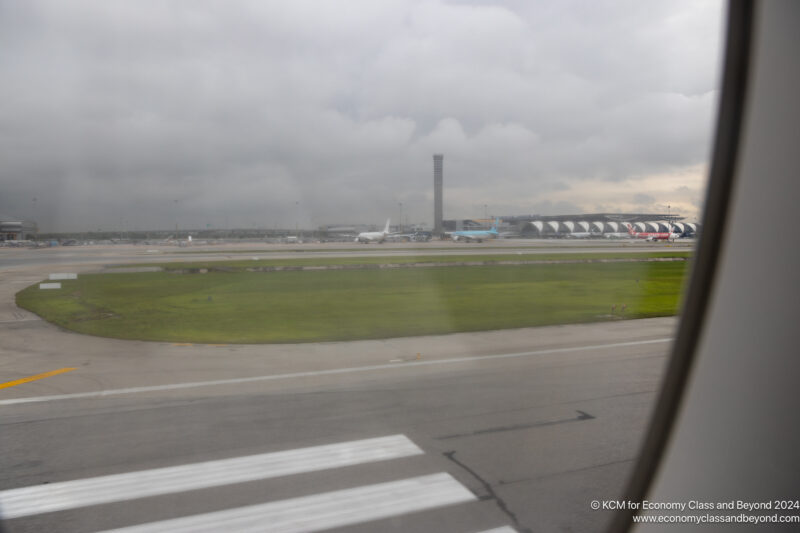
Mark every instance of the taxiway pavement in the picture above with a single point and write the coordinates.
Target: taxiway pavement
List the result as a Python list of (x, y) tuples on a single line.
[(516, 429)]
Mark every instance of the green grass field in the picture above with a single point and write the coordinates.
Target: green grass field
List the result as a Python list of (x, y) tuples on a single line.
[(243, 264), (329, 305)]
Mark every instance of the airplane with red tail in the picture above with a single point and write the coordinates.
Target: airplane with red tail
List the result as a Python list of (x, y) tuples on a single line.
[(652, 235)]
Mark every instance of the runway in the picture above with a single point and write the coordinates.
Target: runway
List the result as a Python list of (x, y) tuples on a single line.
[(517, 429), (136, 253)]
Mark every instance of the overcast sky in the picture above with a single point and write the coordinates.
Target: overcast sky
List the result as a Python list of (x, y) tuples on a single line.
[(146, 114)]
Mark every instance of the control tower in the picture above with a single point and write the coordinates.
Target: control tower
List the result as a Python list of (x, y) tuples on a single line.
[(438, 161)]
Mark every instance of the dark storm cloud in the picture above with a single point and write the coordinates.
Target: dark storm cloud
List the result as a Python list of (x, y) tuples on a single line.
[(250, 113)]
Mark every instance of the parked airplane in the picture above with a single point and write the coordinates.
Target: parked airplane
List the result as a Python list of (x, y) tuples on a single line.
[(476, 235), (367, 237), (616, 235), (173, 241), (652, 236)]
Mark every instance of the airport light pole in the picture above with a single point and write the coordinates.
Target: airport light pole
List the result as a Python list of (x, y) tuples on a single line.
[(296, 218), (669, 218), (401, 216)]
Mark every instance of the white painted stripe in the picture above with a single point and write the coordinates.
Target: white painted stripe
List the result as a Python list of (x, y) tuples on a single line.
[(63, 275), (39, 499), (19, 320), (504, 529), (49, 285), (315, 373), (323, 511)]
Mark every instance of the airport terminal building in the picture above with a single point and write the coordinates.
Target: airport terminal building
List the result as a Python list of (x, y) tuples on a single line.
[(592, 225), (14, 229)]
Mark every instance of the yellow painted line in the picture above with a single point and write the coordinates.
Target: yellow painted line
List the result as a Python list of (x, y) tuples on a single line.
[(182, 344), (34, 378)]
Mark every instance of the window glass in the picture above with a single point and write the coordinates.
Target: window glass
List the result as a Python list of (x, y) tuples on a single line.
[(374, 266)]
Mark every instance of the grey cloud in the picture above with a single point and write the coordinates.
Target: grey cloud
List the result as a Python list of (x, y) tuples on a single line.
[(556, 208), (643, 199), (272, 113)]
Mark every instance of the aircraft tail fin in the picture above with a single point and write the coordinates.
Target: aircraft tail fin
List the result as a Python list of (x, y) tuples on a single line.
[(630, 228), (386, 229)]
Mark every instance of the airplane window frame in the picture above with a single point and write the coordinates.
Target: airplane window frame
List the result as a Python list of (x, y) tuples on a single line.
[(727, 139)]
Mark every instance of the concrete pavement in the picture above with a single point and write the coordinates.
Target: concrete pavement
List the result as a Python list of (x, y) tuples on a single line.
[(533, 423)]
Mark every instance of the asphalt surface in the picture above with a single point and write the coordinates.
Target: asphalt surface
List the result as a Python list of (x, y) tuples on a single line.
[(11, 258), (516, 429)]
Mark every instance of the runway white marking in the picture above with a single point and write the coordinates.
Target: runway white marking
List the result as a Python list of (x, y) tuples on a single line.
[(316, 373), (504, 529), (19, 320), (63, 275), (39, 499), (323, 511)]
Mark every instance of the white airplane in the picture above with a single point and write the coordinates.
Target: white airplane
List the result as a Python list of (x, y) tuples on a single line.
[(367, 237), (172, 241)]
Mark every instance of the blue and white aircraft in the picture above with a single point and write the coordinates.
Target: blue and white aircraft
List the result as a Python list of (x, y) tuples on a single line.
[(476, 235)]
